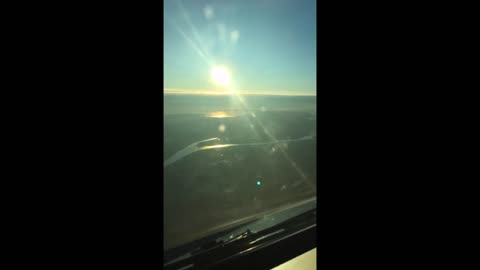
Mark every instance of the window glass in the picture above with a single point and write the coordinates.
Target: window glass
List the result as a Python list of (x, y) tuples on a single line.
[(239, 111)]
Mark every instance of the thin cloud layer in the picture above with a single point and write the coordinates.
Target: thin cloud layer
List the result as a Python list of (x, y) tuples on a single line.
[(170, 91)]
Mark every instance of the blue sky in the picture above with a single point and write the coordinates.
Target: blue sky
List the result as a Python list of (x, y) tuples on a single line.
[(269, 46)]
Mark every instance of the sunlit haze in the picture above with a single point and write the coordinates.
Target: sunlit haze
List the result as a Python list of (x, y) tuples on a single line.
[(252, 46)]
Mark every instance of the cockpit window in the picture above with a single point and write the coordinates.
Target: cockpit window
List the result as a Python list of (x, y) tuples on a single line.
[(239, 112)]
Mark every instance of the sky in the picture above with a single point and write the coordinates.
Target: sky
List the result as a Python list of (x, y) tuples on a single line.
[(267, 46)]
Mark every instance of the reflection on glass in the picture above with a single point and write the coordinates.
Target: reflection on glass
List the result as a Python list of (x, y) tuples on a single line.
[(220, 115)]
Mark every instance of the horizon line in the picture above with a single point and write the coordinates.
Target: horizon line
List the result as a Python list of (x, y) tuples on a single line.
[(169, 91)]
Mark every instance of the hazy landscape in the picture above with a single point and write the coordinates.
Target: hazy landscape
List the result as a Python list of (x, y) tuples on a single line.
[(226, 158)]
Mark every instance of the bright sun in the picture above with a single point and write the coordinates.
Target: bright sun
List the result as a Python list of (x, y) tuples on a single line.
[(221, 75)]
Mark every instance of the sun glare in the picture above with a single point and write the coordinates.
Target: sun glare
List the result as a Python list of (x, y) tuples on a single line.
[(221, 75), (220, 114)]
